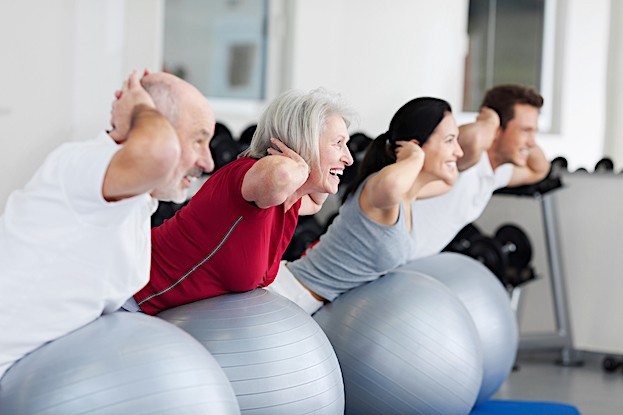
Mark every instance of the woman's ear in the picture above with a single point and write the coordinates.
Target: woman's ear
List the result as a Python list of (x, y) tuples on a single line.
[(413, 140)]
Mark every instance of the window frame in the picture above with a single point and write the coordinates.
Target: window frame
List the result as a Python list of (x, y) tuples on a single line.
[(548, 71)]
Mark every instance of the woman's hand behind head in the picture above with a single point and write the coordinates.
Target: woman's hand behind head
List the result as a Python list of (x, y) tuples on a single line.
[(408, 149)]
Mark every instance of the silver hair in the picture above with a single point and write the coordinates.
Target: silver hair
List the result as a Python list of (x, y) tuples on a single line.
[(298, 119)]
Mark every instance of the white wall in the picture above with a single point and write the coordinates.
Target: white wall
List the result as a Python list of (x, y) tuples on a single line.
[(380, 55), (110, 39), (583, 48), (61, 63), (35, 85), (613, 143)]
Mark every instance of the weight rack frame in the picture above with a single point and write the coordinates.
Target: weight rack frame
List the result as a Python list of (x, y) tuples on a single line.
[(562, 338)]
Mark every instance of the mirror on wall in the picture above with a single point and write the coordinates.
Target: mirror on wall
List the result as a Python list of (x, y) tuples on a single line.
[(506, 41), (218, 45)]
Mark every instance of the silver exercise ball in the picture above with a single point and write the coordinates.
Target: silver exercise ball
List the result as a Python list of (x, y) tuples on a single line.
[(488, 303), (406, 344), (277, 358), (121, 363)]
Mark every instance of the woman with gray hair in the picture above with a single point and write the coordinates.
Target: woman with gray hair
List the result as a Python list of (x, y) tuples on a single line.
[(232, 234)]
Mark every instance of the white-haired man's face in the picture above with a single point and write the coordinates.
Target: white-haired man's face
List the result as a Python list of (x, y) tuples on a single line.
[(195, 129)]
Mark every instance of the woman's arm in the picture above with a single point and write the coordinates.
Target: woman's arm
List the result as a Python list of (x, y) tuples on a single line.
[(386, 189), (275, 177)]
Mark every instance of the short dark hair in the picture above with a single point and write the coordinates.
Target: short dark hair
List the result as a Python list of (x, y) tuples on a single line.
[(503, 98)]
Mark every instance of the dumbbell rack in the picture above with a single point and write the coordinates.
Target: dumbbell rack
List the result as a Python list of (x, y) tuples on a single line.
[(561, 339)]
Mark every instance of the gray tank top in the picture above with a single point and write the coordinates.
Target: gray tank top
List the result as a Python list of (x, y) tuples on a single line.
[(354, 250)]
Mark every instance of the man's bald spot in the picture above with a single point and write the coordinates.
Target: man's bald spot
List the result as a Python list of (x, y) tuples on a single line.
[(164, 89), (171, 93)]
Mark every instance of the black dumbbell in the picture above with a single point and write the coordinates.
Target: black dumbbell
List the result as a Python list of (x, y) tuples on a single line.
[(245, 137), (490, 253), (515, 245), (558, 165), (307, 231), (507, 255), (223, 146), (357, 146), (165, 210), (605, 165), (463, 240), (611, 364)]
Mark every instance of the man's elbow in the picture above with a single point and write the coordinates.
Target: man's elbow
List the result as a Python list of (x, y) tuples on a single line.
[(543, 173), (541, 169)]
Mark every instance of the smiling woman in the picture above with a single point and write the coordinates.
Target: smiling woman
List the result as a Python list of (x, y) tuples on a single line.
[(233, 232)]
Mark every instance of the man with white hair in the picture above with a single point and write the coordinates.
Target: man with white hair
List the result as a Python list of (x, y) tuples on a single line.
[(75, 241)]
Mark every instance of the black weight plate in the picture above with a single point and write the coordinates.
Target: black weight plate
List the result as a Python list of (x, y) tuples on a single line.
[(463, 240), (516, 245), (604, 165), (358, 144), (223, 146), (470, 231), (246, 136), (489, 252), (307, 231), (610, 364), (559, 164)]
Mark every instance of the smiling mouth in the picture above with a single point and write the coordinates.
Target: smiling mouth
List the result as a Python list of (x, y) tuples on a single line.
[(336, 172), (188, 180)]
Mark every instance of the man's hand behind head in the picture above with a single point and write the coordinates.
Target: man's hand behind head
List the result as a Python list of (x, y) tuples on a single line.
[(131, 96)]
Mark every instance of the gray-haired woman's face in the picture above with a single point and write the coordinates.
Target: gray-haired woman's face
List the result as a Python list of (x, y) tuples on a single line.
[(334, 156)]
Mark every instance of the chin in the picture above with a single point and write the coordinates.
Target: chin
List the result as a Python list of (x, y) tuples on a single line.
[(176, 196), (180, 197), (450, 180), (330, 189)]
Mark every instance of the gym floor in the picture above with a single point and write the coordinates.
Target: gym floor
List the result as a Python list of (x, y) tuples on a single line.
[(588, 387)]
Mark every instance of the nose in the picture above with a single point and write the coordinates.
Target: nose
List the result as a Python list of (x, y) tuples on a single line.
[(532, 140), (205, 160), (458, 151), (347, 158)]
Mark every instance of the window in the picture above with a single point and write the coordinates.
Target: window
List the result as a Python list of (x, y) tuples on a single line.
[(218, 45), (510, 41)]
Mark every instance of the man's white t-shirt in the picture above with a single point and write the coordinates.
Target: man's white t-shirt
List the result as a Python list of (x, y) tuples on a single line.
[(67, 255), (437, 220)]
